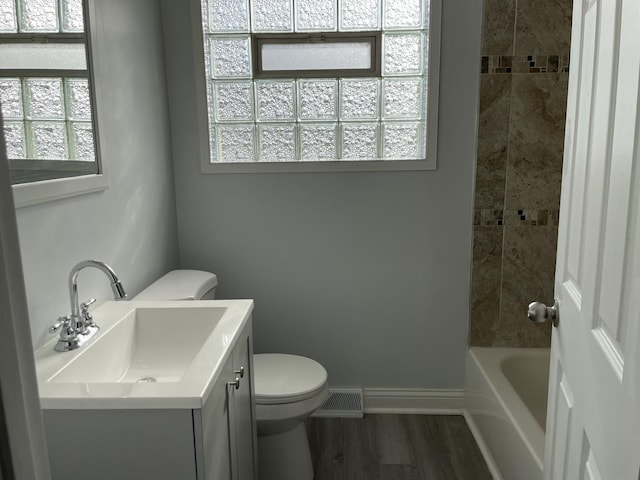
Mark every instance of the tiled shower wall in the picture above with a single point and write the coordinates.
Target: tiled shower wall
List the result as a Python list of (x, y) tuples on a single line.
[(523, 93)]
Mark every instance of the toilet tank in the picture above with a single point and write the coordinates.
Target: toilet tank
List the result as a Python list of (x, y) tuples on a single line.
[(181, 285)]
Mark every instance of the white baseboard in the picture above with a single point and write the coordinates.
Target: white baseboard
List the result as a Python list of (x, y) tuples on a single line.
[(414, 400), (484, 449)]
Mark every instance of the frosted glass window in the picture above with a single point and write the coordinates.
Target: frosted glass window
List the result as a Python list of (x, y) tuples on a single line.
[(271, 16), (45, 93), (43, 56), (359, 15), (49, 140), (402, 54), (402, 98), (316, 56), (315, 15), (72, 16), (402, 141), (277, 143), (318, 142), (47, 118), (78, 99), (403, 14), (235, 143), (233, 101), (231, 56), (39, 16), (11, 98), (44, 99), (360, 141), (15, 139), (275, 100), (359, 99), (8, 20), (228, 16), (316, 80), (317, 100), (83, 142)]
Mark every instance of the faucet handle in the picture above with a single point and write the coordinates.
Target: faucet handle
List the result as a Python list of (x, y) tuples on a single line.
[(61, 322), (85, 306), (85, 316)]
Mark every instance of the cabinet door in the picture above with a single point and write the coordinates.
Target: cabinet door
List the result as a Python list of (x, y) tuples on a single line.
[(214, 453), (244, 412), (120, 444), (227, 421)]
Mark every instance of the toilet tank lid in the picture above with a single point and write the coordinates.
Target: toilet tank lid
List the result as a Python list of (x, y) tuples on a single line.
[(180, 285)]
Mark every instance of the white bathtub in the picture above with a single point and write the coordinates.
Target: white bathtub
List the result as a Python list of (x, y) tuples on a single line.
[(506, 405)]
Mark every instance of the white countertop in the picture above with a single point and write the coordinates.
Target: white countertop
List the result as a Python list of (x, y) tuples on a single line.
[(190, 389)]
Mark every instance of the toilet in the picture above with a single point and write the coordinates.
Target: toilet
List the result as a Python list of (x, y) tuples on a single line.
[(288, 388)]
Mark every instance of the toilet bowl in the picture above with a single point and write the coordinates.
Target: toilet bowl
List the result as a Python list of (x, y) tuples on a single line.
[(288, 388)]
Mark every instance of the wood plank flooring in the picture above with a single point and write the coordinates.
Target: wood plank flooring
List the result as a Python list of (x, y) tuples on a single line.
[(395, 447)]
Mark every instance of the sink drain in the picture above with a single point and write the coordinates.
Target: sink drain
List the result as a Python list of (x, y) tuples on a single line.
[(146, 380)]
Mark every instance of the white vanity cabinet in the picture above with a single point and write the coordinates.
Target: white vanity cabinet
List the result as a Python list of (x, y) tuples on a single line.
[(215, 442), (227, 450)]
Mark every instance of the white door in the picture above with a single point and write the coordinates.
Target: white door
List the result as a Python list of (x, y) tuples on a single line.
[(593, 424)]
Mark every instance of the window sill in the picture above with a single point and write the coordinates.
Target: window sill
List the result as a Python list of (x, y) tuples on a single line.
[(326, 166), (34, 193)]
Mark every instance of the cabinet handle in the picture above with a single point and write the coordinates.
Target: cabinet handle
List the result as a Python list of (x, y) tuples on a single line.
[(236, 383), (240, 372)]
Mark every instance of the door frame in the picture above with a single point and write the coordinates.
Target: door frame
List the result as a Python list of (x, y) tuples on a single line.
[(24, 456)]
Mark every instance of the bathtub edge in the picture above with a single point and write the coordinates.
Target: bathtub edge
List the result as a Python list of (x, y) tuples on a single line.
[(492, 415), (482, 446)]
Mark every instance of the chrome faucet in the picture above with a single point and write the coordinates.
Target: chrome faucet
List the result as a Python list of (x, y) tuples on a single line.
[(76, 329)]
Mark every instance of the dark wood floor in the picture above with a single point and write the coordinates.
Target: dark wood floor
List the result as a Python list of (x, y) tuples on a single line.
[(395, 447)]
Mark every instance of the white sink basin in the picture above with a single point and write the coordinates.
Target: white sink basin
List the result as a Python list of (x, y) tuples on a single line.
[(148, 344), (146, 355)]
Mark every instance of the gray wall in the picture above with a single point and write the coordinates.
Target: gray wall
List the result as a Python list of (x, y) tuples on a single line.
[(132, 225), (368, 273)]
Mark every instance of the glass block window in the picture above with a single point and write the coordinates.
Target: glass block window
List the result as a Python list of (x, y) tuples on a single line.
[(45, 93), (329, 115), (47, 118), (41, 16)]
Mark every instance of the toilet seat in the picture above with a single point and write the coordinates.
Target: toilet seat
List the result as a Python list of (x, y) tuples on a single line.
[(283, 378)]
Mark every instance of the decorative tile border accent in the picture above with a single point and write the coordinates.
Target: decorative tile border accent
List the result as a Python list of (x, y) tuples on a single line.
[(488, 216), (522, 217), (526, 217), (508, 64)]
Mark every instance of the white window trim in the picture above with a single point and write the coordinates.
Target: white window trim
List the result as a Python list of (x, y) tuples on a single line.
[(26, 194), (428, 163)]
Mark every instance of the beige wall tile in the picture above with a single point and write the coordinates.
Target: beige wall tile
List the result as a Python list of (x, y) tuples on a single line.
[(485, 293), (536, 139), (493, 140), (497, 27), (527, 276), (519, 167), (543, 27)]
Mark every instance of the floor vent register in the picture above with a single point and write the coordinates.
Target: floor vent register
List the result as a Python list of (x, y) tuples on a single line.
[(342, 402)]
